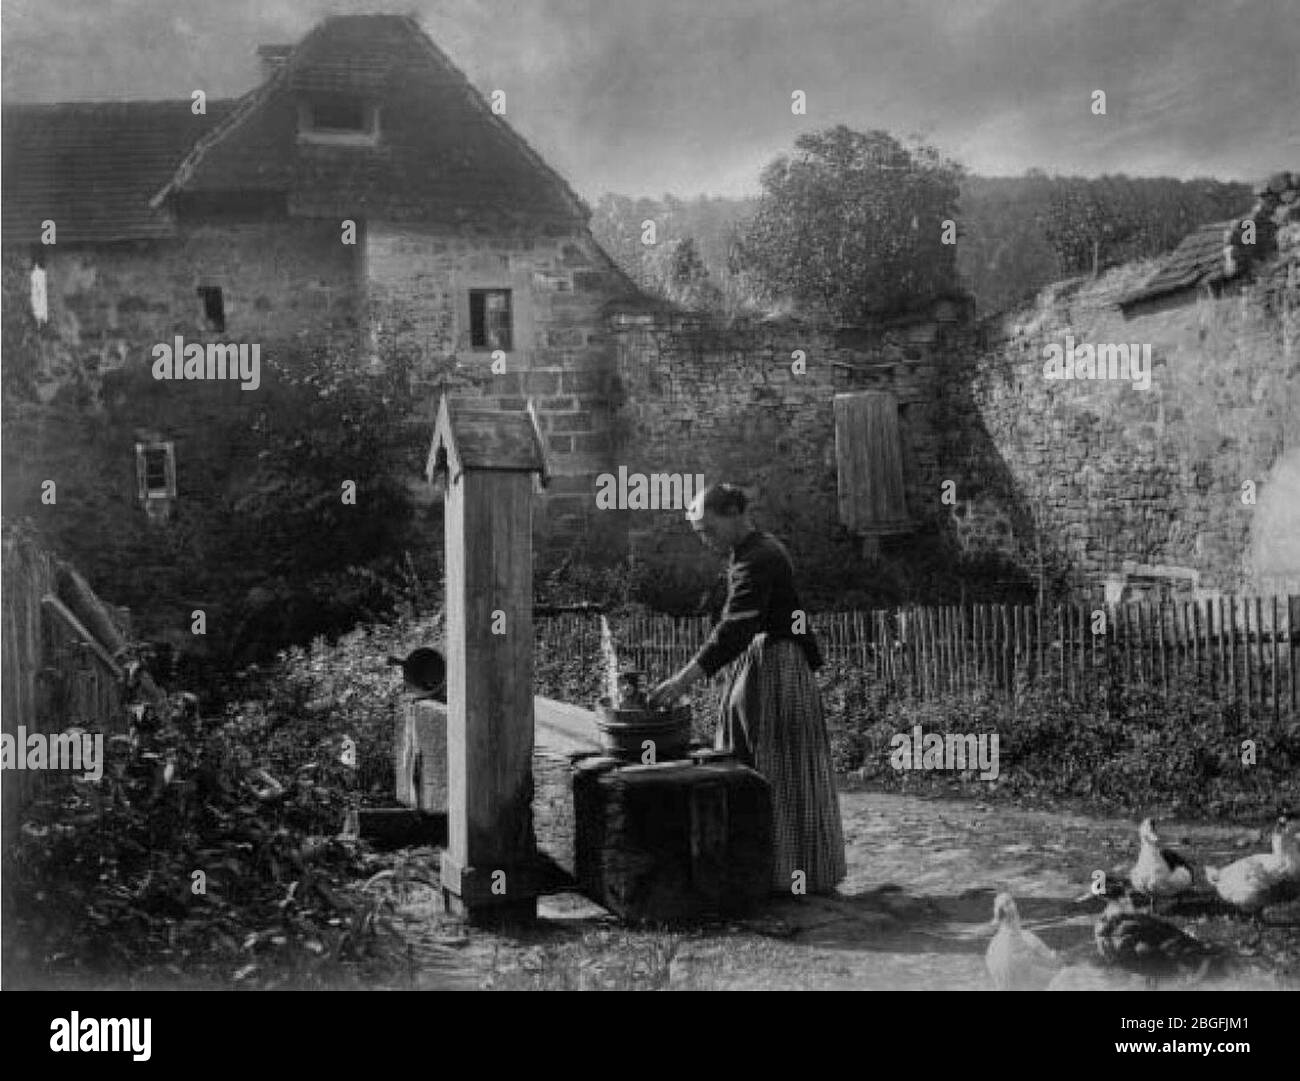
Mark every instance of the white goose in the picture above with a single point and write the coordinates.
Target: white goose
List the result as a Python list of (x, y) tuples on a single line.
[(1159, 872), (1018, 960), (1254, 882)]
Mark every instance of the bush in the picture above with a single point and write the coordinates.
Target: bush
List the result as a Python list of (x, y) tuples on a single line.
[(1126, 748)]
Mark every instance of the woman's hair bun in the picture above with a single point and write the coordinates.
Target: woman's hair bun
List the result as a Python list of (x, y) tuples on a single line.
[(725, 499)]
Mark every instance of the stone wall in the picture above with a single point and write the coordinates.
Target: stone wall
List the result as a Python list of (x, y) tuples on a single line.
[(731, 404), (418, 284), (110, 304), (1185, 475), (282, 282), (1061, 486)]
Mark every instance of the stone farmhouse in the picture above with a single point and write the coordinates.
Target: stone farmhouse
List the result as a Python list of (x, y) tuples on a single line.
[(364, 191)]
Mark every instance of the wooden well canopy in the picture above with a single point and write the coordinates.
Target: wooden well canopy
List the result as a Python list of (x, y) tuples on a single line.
[(488, 461)]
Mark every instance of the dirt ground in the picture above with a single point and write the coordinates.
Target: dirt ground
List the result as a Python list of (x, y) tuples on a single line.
[(913, 913)]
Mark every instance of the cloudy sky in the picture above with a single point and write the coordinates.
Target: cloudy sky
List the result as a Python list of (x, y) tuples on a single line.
[(693, 96)]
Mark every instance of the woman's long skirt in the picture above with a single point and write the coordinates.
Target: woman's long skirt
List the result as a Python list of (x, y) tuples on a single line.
[(771, 719)]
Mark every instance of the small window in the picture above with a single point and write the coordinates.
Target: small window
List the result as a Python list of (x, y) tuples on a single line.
[(214, 307), (339, 116), (490, 319), (155, 471)]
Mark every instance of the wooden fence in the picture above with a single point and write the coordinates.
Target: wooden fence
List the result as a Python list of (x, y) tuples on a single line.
[(1244, 649), (56, 673)]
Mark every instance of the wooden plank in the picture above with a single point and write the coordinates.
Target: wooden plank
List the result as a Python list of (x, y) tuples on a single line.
[(1005, 621), (1060, 637), (1213, 643), (932, 651), (1038, 644), (1233, 684), (91, 612), (1122, 641), (1246, 659), (1139, 656), (1160, 645), (952, 649), (884, 649), (1194, 627), (940, 657), (1293, 646), (940, 665), (918, 619), (1185, 670), (489, 686), (1015, 648), (1260, 665), (1221, 645), (1067, 650), (564, 726), (958, 653), (990, 646), (1148, 634), (1277, 706), (1081, 652)]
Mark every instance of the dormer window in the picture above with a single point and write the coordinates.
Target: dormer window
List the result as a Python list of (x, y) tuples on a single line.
[(339, 120)]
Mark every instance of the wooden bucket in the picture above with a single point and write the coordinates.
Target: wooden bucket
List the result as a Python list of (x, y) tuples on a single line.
[(623, 732)]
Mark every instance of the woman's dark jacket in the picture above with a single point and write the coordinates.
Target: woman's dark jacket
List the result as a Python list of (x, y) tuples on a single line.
[(761, 598)]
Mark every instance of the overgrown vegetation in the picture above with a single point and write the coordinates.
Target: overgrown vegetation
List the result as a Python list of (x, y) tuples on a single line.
[(211, 850), (1119, 748), (290, 520)]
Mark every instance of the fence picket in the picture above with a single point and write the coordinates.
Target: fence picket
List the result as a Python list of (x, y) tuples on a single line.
[(1259, 652), (1247, 681), (1277, 710), (1234, 683)]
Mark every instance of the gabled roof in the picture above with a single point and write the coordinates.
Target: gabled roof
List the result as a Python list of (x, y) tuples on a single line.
[(468, 436), (92, 167), (443, 155), (1198, 260)]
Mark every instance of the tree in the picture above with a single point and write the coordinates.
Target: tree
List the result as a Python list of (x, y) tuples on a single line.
[(688, 278), (853, 224)]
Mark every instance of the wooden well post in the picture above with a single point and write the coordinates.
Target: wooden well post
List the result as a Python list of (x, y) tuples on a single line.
[(487, 462)]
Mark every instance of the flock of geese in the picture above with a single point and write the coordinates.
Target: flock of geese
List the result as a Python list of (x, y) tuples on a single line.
[(1141, 943)]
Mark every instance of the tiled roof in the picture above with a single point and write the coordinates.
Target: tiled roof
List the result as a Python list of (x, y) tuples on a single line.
[(92, 167), (1198, 260), (442, 154)]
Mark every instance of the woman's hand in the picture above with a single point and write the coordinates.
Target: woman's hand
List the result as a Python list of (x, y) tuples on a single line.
[(666, 693), (672, 689)]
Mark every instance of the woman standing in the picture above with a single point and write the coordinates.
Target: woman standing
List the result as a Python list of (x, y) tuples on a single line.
[(771, 714)]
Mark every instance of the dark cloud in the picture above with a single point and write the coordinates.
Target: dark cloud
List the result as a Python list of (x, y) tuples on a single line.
[(687, 96)]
